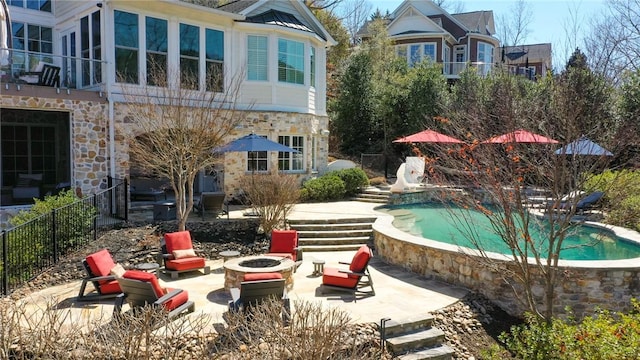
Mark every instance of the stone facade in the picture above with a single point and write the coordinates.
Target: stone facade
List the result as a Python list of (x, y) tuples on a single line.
[(584, 286), (234, 164), (89, 129)]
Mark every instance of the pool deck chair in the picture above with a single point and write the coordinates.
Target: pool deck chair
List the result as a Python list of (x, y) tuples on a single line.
[(258, 288), (212, 203), (140, 288), (99, 267), (179, 256), (352, 280)]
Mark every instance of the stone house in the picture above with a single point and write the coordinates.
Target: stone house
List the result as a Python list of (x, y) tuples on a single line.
[(65, 64)]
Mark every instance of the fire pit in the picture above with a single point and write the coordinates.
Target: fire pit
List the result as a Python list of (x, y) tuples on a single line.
[(234, 269)]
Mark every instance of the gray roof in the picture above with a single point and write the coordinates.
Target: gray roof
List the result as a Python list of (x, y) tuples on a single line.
[(477, 21), (533, 52), (236, 6), (279, 18)]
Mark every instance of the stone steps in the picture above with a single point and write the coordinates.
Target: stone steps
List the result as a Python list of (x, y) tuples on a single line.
[(374, 195), (333, 234), (415, 338)]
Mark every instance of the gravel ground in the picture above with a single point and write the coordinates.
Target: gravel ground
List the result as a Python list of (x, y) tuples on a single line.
[(471, 325)]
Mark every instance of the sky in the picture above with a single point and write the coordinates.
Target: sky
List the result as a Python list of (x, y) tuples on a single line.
[(549, 20)]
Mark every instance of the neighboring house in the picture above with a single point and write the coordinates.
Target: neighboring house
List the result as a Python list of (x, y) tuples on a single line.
[(423, 31), (532, 61), (63, 113)]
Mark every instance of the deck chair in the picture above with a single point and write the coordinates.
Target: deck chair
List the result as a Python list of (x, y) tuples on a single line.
[(284, 243), (569, 203), (212, 203), (256, 289), (178, 255), (353, 279), (140, 288), (101, 272)]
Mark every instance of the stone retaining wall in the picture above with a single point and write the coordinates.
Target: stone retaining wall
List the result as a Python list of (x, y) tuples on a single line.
[(584, 285)]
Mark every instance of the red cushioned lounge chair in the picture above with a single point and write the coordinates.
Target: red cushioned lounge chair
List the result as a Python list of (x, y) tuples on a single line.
[(284, 243), (179, 256), (140, 288), (258, 287), (99, 267), (353, 279)]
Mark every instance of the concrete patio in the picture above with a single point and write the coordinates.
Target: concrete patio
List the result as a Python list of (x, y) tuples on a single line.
[(399, 294)]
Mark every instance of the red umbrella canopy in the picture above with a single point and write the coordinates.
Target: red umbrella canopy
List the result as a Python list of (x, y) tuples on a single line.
[(428, 136), (520, 136)]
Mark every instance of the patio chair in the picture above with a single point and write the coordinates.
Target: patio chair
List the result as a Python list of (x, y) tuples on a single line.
[(178, 255), (212, 203), (284, 243), (258, 288), (140, 288), (102, 272), (355, 278)]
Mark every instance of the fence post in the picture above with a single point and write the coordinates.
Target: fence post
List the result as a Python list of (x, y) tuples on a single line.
[(125, 196), (5, 261), (94, 202), (54, 228)]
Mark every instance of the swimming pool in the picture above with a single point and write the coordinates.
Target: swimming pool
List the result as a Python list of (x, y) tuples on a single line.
[(437, 221)]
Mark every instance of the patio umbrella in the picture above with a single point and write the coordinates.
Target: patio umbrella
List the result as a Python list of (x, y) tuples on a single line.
[(428, 136), (583, 146), (253, 143), (520, 136)]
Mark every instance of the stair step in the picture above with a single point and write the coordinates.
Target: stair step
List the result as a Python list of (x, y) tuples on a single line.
[(333, 241), (336, 227), (442, 352), (395, 327), (317, 248), (367, 219), (373, 195), (420, 339), (334, 233)]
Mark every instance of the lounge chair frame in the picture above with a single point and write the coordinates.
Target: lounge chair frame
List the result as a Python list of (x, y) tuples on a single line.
[(363, 282), (95, 281), (213, 203), (140, 293), (253, 293)]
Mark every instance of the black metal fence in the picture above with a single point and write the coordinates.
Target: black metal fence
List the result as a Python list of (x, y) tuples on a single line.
[(30, 248)]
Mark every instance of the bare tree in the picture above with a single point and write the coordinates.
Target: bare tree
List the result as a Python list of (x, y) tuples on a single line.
[(177, 125), (612, 46), (514, 27), (354, 14)]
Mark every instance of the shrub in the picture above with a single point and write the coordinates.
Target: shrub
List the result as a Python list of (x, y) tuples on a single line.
[(354, 180), (272, 197), (325, 188), (622, 195), (602, 336), (379, 180)]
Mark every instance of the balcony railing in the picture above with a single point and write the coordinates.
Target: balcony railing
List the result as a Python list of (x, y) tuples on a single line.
[(453, 69), (67, 72)]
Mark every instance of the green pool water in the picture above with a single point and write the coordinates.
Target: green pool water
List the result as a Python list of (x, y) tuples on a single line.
[(436, 221)]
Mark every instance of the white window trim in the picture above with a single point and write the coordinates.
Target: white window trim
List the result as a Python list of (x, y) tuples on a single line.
[(291, 155)]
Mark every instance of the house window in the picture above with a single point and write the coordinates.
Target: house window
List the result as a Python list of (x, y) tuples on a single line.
[(157, 50), (40, 5), (257, 58), (418, 52), (314, 153), (290, 61), (485, 57), (90, 48), (312, 66), (126, 41), (215, 59), (34, 41), (28, 149), (189, 55), (290, 161)]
